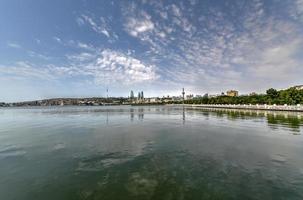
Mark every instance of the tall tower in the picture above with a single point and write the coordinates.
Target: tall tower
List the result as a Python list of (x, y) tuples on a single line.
[(183, 93), (139, 95)]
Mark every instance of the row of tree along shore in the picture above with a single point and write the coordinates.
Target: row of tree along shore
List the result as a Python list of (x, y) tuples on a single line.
[(291, 96)]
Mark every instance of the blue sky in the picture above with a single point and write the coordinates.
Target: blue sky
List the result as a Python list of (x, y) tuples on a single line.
[(78, 48)]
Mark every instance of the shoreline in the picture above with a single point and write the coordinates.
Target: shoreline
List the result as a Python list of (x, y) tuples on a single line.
[(288, 108), (285, 108)]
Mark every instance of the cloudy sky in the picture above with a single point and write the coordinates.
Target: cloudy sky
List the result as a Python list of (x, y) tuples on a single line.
[(76, 48)]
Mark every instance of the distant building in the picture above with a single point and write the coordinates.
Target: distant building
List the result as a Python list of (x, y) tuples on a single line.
[(190, 96), (253, 94), (142, 95), (232, 93), (177, 98), (140, 98), (132, 96), (153, 100), (298, 87), (167, 99)]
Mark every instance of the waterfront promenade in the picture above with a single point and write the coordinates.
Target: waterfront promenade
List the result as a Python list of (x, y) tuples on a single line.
[(295, 108)]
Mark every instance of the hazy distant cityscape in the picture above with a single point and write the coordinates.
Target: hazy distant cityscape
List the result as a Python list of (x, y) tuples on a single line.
[(290, 96), (131, 99)]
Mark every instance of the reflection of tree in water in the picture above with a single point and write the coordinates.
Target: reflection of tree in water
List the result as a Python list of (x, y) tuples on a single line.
[(237, 114), (275, 120), (292, 122)]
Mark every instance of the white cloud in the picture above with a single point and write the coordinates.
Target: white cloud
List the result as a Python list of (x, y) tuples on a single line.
[(102, 27), (176, 10), (215, 54), (38, 55), (278, 62), (139, 25), (38, 41), (243, 45), (27, 70), (80, 21), (108, 66), (14, 45), (85, 46), (117, 67), (296, 11), (57, 39), (82, 57)]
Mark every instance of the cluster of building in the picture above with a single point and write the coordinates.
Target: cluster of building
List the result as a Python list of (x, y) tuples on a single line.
[(140, 99), (132, 99), (230, 93), (169, 99), (95, 101)]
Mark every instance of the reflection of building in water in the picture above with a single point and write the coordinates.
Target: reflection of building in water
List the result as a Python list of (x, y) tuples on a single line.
[(141, 113), (106, 116), (131, 114), (183, 116)]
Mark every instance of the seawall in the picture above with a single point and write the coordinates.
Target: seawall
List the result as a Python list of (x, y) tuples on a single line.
[(294, 108)]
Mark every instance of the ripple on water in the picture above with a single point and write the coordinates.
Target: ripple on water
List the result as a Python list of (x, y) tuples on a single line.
[(141, 186), (278, 159), (100, 162), (11, 151), (59, 146)]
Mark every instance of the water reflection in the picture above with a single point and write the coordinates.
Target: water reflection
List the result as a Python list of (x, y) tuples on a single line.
[(183, 115), (167, 176), (139, 112), (274, 119), (156, 152)]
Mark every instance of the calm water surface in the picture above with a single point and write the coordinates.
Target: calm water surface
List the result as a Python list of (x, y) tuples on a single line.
[(164, 152)]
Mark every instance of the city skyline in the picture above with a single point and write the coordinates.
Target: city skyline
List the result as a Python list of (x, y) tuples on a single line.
[(82, 48)]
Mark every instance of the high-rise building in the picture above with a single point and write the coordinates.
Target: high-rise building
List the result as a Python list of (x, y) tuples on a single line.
[(132, 96), (139, 95), (142, 95)]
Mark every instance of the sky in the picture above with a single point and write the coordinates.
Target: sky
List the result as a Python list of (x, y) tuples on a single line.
[(78, 48)]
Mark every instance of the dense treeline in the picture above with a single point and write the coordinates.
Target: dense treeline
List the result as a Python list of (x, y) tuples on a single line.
[(291, 96)]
